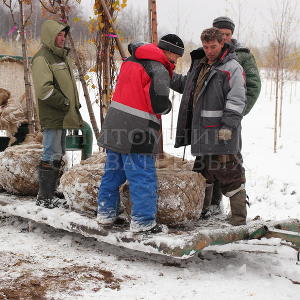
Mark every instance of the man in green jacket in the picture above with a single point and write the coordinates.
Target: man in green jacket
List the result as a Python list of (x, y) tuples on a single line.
[(253, 85), (58, 104)]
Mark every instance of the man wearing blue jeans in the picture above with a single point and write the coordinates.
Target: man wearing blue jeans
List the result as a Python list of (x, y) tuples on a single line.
[(130, 132), (58, 103)]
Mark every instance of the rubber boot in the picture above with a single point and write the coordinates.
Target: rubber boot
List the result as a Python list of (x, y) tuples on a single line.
[(207, 201), (48, 176), (215, 207), (238, 208), (217, 194), (59, 164)]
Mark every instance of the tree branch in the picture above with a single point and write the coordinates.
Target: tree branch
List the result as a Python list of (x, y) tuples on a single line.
[(29, 16), (47, 8), (9, 5)]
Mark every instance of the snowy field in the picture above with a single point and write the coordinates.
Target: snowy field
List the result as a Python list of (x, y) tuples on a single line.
[(49, 264)]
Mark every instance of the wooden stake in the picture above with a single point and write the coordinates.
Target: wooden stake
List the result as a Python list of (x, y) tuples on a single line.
[(154, 40), (81, 77), (153, 20)]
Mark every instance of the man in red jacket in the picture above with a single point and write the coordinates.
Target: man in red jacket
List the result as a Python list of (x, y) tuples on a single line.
[(130, 133)]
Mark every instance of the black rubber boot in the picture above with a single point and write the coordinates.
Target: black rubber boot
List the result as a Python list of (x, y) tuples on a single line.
[(207, 201), (238, 208), (217, 194), (59, 164), (48, 177)]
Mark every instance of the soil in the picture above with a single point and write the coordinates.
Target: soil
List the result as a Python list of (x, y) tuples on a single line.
[(29, 283)]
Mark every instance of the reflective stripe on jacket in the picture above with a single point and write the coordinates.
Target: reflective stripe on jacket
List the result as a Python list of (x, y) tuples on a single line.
[(221, 103), (132, 122)]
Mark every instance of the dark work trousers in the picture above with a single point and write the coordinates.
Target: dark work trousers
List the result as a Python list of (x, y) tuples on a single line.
[(227, 169)]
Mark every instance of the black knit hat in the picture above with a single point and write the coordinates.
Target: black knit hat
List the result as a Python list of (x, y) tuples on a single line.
[(172, 43), (224, 22)]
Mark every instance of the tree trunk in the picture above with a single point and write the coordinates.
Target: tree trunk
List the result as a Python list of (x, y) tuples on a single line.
[(85, 89), (172, 114), (28, 92), (276, 98), (81, 77), (108, 16), (154, 39), (281, 100)]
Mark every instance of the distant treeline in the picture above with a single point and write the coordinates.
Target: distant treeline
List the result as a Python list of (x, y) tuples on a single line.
[(132, 26)]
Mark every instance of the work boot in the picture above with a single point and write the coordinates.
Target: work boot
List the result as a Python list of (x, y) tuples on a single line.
[(207, 201), (238, 208), (48, 177), (157, 228)]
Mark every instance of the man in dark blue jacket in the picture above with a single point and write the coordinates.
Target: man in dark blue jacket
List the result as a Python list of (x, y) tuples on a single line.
[(209, 119)]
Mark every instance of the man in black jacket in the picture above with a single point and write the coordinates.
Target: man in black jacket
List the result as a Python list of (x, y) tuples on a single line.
[(253, 85), (209, 119)]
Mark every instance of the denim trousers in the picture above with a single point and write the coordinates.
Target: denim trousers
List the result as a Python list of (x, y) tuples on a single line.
[(54, 143), (140, 172)]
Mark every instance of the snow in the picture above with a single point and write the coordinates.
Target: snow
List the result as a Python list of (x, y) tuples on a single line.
[(48, 263)]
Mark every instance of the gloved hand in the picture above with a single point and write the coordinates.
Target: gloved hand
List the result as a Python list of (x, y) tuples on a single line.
[(225, 134)]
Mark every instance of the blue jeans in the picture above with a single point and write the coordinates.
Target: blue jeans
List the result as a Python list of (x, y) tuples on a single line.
[(139, 170), (54, 143)]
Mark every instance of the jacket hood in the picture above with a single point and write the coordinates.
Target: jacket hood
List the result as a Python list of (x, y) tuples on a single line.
[(228, 53), (151, 52), (50, 29)]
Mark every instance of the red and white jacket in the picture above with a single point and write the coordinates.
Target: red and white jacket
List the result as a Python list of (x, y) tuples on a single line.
[(132, 122)]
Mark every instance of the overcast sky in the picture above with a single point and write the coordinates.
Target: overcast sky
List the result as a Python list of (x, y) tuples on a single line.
[(187, 18)]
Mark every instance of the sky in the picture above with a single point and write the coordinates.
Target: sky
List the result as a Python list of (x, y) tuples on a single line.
[(188, 18)]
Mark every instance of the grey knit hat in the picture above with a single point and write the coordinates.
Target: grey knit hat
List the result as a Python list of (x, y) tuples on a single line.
[(224, 22), (172, 43)]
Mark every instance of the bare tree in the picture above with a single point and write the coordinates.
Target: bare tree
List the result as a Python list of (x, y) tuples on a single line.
[(23, 21), (282, 26), (133, 25)]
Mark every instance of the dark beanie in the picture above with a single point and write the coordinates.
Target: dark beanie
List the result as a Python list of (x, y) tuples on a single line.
[(224, 22), (172, 43)]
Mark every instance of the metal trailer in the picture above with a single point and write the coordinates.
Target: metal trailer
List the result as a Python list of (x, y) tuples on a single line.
[(178, 242)]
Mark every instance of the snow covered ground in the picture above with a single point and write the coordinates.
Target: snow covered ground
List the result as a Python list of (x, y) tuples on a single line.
[(50, 264)]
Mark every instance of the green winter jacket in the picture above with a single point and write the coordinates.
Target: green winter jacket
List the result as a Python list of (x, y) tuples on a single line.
[(253, 83), (54, 84)]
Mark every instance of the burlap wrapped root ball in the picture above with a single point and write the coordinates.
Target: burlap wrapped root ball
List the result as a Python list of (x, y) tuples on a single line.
[(180, 192), (12, 114), (80, 184), (18, 169)]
